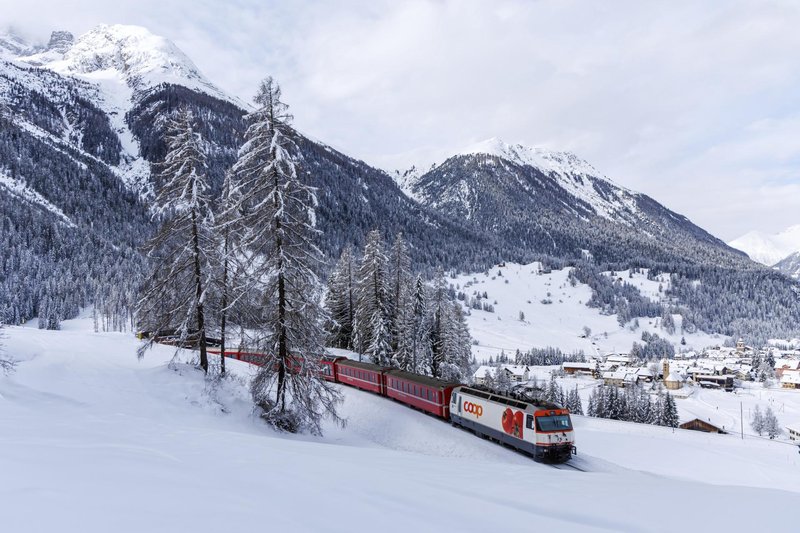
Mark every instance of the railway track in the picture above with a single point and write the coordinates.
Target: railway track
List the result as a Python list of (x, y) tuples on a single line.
[(565, 466)]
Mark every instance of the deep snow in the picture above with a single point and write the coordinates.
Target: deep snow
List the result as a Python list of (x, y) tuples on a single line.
[(514, 288), (93, 439)]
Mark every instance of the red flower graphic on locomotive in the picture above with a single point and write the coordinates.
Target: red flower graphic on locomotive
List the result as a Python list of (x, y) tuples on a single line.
[(512, 422)]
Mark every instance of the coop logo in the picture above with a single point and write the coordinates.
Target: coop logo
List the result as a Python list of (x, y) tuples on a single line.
[(474, 409)]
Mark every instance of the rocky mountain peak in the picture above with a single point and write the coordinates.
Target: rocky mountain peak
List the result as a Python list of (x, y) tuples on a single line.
[(60, 41)]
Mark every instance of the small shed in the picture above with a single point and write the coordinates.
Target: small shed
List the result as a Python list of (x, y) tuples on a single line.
[(701, 425)]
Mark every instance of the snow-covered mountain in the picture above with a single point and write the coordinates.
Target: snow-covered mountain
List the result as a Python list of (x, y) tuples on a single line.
[(83, 119), (790, 265), (558, 204), (769, 249), (130, 54), (13, 46), (81, 122)]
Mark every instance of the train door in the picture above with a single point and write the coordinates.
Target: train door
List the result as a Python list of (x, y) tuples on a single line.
[(455, 403)]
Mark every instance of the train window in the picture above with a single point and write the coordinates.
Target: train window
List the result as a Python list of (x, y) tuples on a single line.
[(529, 422)]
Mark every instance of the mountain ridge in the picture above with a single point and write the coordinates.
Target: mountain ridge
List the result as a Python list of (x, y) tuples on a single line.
[(769, 248)]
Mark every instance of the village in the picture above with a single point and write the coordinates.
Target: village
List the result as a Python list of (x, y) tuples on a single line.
[(725, 378)]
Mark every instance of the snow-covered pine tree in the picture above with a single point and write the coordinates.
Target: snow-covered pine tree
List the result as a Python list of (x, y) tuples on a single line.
[(771, 426), (668, 322), (757, 420), (280, 235), (400, 302), (643, 407), (440, 326), (669, 414), (502, 383), (575, 404), (341, 301), (458, 348), (591, 408), (612, 403), (657, 412), (554, 394), (229, 259), (373, 337), (489, 380), (174, 292), (601, 401), (420, 327)]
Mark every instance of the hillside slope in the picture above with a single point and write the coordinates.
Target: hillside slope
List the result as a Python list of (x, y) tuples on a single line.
[(106, 441), (790, 265)]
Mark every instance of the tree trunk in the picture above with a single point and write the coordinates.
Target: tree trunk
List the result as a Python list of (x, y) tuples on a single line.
[(351, 316), (283, 354), (201, 328), (224, 308)]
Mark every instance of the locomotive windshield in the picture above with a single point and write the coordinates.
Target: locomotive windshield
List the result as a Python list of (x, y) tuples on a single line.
[(553, 423)]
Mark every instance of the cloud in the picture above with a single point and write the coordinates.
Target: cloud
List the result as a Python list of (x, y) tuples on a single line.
[(693, 103)]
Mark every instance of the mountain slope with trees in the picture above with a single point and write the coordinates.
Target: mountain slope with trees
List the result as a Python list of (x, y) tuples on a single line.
[(77, 192)]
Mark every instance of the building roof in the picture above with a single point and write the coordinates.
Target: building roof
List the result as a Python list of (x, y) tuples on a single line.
[(624, 375), (482, 370), (674, 376), (791, 364), (701, 421), (517, 370), (587, 366), (791, 377)]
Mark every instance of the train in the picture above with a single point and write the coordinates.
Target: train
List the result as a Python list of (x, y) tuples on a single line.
[(539, 429)]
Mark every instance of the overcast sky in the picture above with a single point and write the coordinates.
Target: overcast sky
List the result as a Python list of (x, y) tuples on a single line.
[(695, 105)]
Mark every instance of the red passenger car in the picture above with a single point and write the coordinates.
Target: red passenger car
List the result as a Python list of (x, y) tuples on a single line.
[(365, 376), (254, 358), (428, 394), (328, 365)]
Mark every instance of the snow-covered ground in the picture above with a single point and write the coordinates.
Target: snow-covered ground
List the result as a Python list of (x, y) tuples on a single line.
[(558, 324), (93, 439)]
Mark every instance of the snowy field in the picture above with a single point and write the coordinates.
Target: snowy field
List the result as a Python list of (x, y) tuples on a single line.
[(558, 324), (94, 440)]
